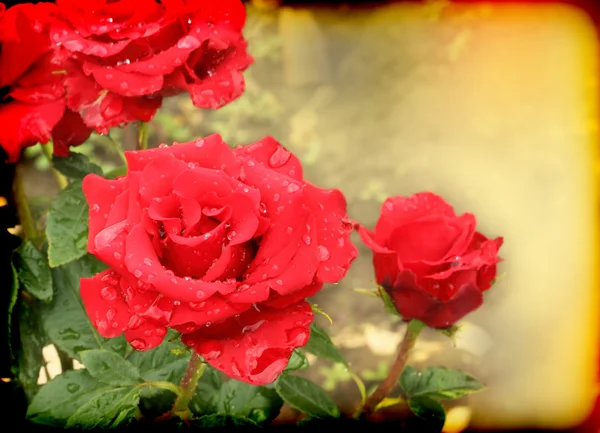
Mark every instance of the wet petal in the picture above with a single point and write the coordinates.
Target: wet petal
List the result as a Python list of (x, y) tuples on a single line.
[(100, 194), (409, 299), (30, 124), (142, 261), (398, 210), (144, 334), (333, 228), (209, 152), (104, 303), (70, 39), (213, 310), (282, 301), (124, 83), (468, 298), (256, 346), (270, 153), (233, 262)]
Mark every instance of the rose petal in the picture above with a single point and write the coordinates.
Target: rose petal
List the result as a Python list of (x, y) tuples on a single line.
[(213, 310), (123, 83), (29, 124), (104, 303), (410, 300), (142, 261), (209, 152), (144, 334), (69, 131), (282, 301), (70, 39), (232, 263), (398, 210), (336, 251), (270, 153), (468, 298), (100, 194), (256, 346)]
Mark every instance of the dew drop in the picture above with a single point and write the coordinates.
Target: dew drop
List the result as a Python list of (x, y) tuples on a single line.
[(135, 322), (306, 239), (174, 280), (276, 197), (279, 282), (73, 387), (110, 314), (279, 157), (289, 230), (188, 42), (96, 207), (207, 324), (138, 344), (108, 293), (323, 253), (117, 255), (200, 294), (292, 187), (138, 273)]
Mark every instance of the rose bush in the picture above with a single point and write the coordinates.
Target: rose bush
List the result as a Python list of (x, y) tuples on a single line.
[(32, 96), (432, 263), (122, 57), (222, 245)]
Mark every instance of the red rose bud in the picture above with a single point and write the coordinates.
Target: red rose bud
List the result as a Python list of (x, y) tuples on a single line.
[(122, 57), (431, 262), (32, 103), (222, 245)]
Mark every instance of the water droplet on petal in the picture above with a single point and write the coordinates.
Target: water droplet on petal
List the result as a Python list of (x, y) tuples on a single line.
[(96, 208), (292, 187), (306, 239), (289, 230), (108, 293), (117, 255), (188, 43), (161, 332), (279, 282), (138, 273), (110, 314), (200, 294), (138, 344), (147, 262), (279, 157), (323, 253), (207, 324)]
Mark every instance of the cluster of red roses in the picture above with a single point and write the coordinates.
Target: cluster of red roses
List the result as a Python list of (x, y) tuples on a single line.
[(222, 245), (74, 67)]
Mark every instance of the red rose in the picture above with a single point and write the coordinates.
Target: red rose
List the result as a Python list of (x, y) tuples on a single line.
[(123, 56), (222, 245), (432, 263), (32, 105)]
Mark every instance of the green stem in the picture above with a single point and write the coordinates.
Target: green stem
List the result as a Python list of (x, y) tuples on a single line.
[(61, 181), (187, 387), (23, 209), (143, 135), (385, 388)]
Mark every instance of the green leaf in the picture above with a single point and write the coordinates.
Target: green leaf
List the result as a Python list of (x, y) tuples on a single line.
[(373, 293), (256, 403), (208, 386), (62, 396), (320, 344), (112, 408), (438, 383), (65, 319), (306, 396), (388, 303), (34, 273), (429, 410), (33, 339), (161, 364), (297, 361), (221, 420), (67, 226), (75, 166), (110, 368), (316, 309)]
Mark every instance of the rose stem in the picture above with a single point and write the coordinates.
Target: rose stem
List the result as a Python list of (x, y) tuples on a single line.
[(383, 390), (188, 385), (143, 136), (61, 181), (23, 210)]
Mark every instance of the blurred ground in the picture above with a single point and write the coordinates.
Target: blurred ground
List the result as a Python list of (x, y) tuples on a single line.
[(489, 106)]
